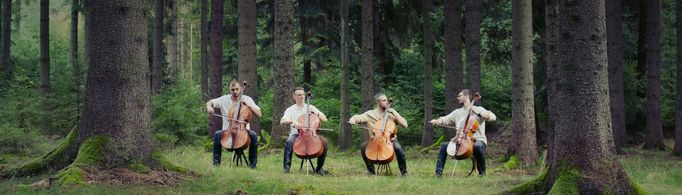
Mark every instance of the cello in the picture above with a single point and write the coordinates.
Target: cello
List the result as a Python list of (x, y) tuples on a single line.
[(462, 146), (379, 149), (237, 136), (308, 144)]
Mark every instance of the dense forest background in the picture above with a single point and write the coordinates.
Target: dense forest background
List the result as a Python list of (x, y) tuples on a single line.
[(31, 121)]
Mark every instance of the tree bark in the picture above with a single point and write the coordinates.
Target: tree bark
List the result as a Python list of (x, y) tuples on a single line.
[(367, 72), (523, 104), (427, 136), (157, 67), (204, 50), (551, 15), (580, 109), (216, 68), (17, 16), (117, 81), (75, 62), (452, 23), (642, 39), (173, 43), (247, 52), (472, 38), (346, 135), (654, 135), (677, 150), (6, 37), (284, 61), (614, 32), (44, 60)]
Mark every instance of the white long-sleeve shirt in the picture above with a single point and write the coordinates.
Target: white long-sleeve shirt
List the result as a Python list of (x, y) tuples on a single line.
[(458, 118)]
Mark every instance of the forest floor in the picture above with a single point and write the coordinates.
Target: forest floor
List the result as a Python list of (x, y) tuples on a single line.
[(655, 171)]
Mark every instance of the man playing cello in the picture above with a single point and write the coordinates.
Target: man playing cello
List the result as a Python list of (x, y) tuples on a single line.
[(290, 118), (371, 117), (226, 102), (458, 118)]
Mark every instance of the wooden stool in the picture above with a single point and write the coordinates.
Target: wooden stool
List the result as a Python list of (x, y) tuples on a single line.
[(237, 157), (310, 162), (385, 168)]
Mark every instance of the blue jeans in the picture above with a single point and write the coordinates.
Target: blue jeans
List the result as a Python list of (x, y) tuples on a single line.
[(479, 157), (253, 148), (288, 151)]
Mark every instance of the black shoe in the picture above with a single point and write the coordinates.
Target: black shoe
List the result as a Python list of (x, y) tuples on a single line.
[(286, 171), (252, 166), (438, 175), (321, 173), (403, 174), (370, 173)]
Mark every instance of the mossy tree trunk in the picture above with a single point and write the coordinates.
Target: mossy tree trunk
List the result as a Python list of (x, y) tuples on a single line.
[(614, 18), (284, 66), (247, 52), (583, 153), (115, 128), (367, 72), (677, 151), (452, 23), (523, 104), (427, 136), (654, 129), (215, 69), (346, 135)]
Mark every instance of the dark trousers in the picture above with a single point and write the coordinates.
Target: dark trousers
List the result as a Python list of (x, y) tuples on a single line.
[(479, 157), (253, 148), (288, 151), (402, 164)]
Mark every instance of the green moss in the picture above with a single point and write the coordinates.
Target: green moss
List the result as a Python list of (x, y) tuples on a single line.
[(90, 152), (40, 164), (266, 136), (536, 184), (512, 163), (567, 181), (72, 175), (635, 187), (140, 168), (167, 164)]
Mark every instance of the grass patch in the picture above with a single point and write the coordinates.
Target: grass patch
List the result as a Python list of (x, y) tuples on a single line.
[(650, 169)]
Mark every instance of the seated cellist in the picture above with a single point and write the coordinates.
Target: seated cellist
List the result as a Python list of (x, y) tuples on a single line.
[(224, 103), (371, 117), (290, 117), (458, 118)]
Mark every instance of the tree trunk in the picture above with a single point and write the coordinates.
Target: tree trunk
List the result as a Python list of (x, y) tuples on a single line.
[(367, 59), (75, 62), (247, 52), (204, 50), (472, 38), (677, 151), (346, 134), (44, 60), (117, 81), (551, 15), (452, 23), (523, 104), (6, 34), (17, 16), (216, 68), (654, 135), (427, 136), (173, 43), (642, 39), (584, 160), (614, 18), (284, 62), (157, 67), (305, 26)]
